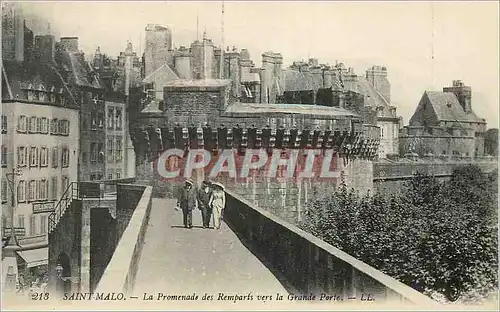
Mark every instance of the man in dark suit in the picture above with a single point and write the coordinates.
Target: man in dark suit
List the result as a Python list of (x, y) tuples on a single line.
[(203, 199), (187, 202)]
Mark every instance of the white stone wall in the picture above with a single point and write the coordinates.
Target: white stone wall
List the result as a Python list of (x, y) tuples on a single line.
[(36, 224)]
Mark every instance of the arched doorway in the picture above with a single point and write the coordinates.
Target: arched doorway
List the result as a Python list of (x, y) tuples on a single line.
[(63, 278)]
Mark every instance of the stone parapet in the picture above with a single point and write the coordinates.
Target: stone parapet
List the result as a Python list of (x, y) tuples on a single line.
[(356, 143), (121, 270), (308, 264)]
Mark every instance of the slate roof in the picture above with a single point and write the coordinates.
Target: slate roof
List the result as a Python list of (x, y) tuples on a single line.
[(164, 69), (20, 76), (198, 83), (293, 109), (81, 69), (247, 77), (447, 107), (296, 80), (152, 107), (135, 78), (372, 97)]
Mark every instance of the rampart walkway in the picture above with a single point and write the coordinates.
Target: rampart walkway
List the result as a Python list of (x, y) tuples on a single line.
[(180, 261)]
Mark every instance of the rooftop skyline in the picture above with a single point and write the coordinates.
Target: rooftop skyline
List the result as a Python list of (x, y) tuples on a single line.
[(462, 37)]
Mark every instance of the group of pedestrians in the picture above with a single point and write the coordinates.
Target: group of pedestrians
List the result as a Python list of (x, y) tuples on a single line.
[(32, 284), (209, 198)]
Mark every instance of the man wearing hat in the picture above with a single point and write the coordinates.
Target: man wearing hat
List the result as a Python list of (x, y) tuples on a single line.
[(187, 202), (204, 194)]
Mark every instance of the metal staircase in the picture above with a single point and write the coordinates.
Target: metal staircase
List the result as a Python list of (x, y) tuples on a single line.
[(69, 194)]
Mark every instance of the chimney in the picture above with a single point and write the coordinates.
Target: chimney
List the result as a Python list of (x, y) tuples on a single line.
[(45, 48), (271, 76), (463, 94), (182, 60), (12, 32), (350, 80), (29, 40), (377, 77), (128, 67), (69, 44), (208, 55)]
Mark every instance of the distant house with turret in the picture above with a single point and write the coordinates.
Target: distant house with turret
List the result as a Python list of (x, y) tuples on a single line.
[(445, 125)]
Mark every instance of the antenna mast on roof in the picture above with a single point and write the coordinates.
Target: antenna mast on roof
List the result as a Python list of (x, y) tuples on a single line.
[(221, 69), (197, 27), (432, 47), (139, 52)]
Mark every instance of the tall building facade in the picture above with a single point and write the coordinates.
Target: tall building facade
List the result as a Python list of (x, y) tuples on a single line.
[(120, 80), (88, 92), (116, 136), (378, 90), (40, 140)]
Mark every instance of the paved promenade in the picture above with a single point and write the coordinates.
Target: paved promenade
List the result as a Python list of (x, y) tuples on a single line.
[(179, 261)]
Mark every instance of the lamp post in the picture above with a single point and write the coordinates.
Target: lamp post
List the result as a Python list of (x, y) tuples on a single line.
[(12, 241), (10, 279), (12, 245)]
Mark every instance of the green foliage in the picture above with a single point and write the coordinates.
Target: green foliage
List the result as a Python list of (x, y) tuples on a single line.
[(434, 236)]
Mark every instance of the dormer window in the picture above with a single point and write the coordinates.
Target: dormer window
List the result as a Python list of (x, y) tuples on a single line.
[(31, 95), (52, 94), (100, 120), (42, 96), (93, 121)]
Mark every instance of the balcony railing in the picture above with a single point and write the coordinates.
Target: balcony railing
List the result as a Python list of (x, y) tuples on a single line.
[(42, 238), (19, 231)]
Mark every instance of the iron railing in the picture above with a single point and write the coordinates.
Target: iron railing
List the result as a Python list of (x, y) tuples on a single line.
[(84, 189), (69, 194), (37, 239)]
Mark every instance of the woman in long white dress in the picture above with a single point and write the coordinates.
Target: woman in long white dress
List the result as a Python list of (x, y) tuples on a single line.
[(217, 202)]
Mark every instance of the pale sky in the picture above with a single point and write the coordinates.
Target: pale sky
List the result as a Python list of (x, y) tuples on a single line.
[(398, 35)]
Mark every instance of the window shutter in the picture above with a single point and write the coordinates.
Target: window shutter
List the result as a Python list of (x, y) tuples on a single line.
[(28, 192), (38, 190)]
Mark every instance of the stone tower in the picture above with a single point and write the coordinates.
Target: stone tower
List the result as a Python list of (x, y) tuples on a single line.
[(271, 77), (12, 32), (158, 45), (463, 94)]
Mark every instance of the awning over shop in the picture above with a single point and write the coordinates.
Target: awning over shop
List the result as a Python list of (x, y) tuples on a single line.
[(35, 257)]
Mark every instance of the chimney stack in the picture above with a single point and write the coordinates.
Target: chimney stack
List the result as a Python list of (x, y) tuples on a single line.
[(69, 44), (45, 48), (463, 94)]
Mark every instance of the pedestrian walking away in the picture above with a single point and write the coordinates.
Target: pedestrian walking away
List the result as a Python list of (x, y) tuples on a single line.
[(187, 202), (217, 202), (204, 194)]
